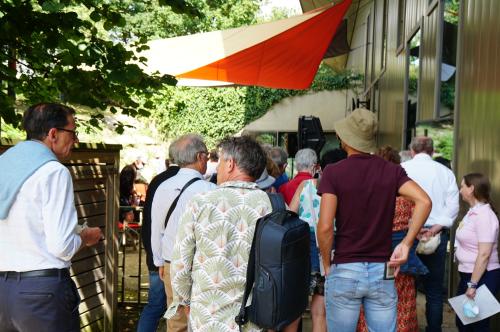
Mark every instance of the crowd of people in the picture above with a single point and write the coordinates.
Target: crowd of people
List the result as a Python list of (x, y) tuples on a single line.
[(365, 209)]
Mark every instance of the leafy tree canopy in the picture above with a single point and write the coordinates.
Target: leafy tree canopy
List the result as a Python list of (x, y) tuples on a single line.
[(64, 50), (150, 20), (219, 112)]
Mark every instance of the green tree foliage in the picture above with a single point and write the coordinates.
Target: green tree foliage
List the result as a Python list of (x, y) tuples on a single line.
[(451, 11), (219, 112), (150, 20), (59, 50)]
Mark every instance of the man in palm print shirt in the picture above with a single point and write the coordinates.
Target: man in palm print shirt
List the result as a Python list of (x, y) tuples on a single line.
[(214, 238)]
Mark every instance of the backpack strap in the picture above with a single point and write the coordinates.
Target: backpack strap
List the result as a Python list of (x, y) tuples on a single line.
[(277, 202), (174, 203), (242, 318)]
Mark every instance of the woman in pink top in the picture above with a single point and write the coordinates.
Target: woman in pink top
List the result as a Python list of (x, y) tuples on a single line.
[(477, 244)]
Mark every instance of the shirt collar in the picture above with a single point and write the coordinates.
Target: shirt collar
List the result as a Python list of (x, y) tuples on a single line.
[(190, 171), (476, 208), (240, 184), (422, 156)]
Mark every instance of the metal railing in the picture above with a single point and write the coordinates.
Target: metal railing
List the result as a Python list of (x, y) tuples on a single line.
[(130, 235)]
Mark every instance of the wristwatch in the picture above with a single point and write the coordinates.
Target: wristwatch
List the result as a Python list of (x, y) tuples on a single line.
[(472, 284)]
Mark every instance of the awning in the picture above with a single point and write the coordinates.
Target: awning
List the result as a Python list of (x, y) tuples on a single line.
[(329, 106), (282, 54)]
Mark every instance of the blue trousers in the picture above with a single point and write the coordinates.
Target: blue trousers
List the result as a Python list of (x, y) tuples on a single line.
[(38, 304), (492, 280), (433, 284), (157, 304)]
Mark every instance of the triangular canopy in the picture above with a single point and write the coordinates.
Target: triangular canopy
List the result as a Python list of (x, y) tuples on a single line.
[(282, 54)]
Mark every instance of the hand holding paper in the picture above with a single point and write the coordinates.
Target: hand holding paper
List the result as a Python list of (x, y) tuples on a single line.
[(486, 302)]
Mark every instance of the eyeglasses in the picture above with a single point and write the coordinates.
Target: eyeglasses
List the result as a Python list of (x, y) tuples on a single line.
[(74, 132)]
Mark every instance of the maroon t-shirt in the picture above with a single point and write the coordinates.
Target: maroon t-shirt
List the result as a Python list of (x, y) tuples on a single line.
[(366, 187)]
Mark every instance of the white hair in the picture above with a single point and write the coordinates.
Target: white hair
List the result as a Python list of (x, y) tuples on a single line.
[(305, 159)]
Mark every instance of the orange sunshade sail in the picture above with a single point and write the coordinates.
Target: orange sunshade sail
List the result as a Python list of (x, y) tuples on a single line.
[(283, 54)]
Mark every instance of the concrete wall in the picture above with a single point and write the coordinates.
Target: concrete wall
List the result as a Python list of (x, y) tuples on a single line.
[(329, 106)]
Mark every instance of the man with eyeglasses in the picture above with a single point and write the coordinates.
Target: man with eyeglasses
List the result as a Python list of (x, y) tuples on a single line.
[(169, 202), (38, 226)]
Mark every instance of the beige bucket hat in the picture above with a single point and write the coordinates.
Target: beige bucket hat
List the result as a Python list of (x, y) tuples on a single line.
[(358, 130)]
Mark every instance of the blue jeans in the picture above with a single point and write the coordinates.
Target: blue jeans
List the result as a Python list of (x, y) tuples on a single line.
[(433, 284), (157, 304), (348, 286)]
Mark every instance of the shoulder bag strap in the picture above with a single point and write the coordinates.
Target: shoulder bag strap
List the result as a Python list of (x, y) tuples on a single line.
[(174, 203), (277, 202)]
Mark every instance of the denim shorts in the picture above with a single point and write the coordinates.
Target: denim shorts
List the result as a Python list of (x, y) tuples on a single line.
[(317, 285), (314, 253)]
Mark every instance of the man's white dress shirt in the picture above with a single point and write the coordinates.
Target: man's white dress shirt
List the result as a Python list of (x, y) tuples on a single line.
[(439, 183), (162, 240), (39, 232)]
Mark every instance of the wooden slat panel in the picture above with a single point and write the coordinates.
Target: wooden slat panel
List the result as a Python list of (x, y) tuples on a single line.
[(88, 184), (88, 277), (91, 316), (91, 290), (89, 210), (93, 157), (111, 255), (90, 196), (95, 221), (87, 264), (89, 252), (91, 303), (95, 326), (87, 171)]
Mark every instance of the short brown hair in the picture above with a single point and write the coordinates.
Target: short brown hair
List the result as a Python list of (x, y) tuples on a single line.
[(388, 153)]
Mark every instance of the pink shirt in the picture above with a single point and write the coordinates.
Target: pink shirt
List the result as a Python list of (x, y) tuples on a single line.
[(479, 225)]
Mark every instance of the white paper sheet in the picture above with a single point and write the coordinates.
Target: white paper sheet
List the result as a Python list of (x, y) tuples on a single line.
[(487, 303)]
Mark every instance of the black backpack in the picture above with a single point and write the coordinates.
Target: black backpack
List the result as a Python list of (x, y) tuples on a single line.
[(278, 269)]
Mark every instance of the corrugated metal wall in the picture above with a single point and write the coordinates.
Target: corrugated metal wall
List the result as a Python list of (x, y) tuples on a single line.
[(477, 117), (478, 92), (430, 64), (391, 113)]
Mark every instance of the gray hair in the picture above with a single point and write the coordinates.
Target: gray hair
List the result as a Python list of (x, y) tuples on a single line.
[(279, 156), (305, 159), (184, 150), (247, 154), (171, 153), (405, 155), (421, 144)]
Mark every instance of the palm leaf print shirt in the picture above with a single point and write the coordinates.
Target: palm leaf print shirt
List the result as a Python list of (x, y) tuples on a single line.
[(211, 252)]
